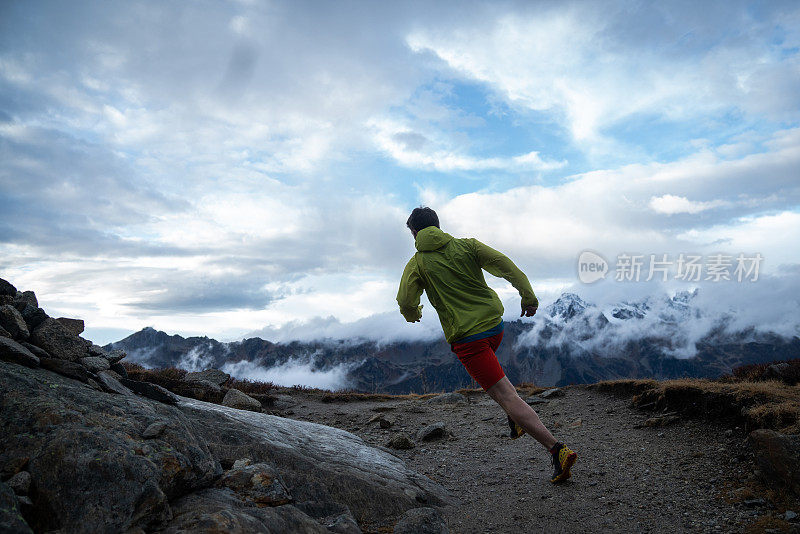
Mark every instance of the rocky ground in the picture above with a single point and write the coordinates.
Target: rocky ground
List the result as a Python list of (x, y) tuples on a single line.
[(688, 475)]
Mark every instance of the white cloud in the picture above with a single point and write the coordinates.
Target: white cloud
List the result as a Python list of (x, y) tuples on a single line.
[(671, 204), (598, 65)]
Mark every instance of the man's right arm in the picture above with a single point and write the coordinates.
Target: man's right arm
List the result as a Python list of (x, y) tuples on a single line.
[(409, 293), (497, 264)]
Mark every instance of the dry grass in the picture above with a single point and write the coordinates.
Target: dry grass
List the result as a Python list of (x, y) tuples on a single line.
[(351, 396), (251, 387), (760, 371), (163, 376), (758, 404)]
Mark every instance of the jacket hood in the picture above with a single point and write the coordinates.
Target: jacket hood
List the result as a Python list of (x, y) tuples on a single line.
[(431, 238)]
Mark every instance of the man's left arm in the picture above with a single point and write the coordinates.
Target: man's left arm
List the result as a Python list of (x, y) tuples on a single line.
[(409, 293), (501, 266)]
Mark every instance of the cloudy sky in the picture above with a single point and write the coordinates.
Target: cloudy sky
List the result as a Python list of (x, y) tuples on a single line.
[(222, 168)]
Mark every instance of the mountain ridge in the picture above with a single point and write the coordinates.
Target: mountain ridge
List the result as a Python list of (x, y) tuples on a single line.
[(573, 341)]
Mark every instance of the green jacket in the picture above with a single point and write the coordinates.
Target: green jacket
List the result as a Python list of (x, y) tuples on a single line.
[(449, 270)]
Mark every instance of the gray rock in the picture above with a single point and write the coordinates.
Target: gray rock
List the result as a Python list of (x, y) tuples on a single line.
[(95, 364), (154, 430), (448, 398), (37, 351), (27, 297), (211, 375), (6, 288), (110, 383), (241, 401), (259, 483), (241, 462), (382, 420), (33, 316), (554, 392), (343, 524), (776, 371), (97, 350), (432, 432), (12, 321), (421, 521), (534, 399), (11, 520), (151, 391), (76, 326), (20, 483), (53, 337), (5, 333), (401, 441), (63, 367), (284, 402), (95, 473), (222, 510), (119, 369), (116, 355), (13, 352), (790, 515), (778, 458)]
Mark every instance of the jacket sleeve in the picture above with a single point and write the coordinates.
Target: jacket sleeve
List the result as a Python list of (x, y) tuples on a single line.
[(499, 265), (410, 291)]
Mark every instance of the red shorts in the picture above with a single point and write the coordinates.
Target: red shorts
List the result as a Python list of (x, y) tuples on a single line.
[(480, 360)]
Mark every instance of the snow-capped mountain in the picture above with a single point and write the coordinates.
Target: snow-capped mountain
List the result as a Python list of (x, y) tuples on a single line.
[(574, 341)]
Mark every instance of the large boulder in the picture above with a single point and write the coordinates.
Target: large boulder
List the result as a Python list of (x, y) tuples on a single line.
[(95, 364), (93, 469), (211, 375), (778, 458), (28, 297), (76, 326), (11, 351), (54, 337), (66, 368), (6, 288), (33, 316), (11, 320), (90, 471), (242, 401)]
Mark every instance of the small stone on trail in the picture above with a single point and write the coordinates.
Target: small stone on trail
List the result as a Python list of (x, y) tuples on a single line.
[(401, 441), (554, 392), (448, 398), (431, 432)]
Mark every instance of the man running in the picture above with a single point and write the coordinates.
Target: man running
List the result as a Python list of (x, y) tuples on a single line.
[(471, 314)]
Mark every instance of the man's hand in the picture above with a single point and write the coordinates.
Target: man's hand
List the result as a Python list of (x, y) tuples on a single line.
[(530, 311)]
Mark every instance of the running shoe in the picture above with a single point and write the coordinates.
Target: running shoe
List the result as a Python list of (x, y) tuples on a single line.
[(563, 460), (516, 430)]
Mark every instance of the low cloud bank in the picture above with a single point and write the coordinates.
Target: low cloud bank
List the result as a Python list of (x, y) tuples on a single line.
[(381, 328), (295, 371)]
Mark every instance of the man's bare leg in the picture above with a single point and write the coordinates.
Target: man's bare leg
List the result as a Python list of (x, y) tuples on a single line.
[(505, 394)]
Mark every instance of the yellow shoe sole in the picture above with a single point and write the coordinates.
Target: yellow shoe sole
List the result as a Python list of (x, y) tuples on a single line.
[(565, 469)]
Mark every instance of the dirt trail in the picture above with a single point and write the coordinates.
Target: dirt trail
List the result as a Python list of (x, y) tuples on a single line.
[(678, 478)]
